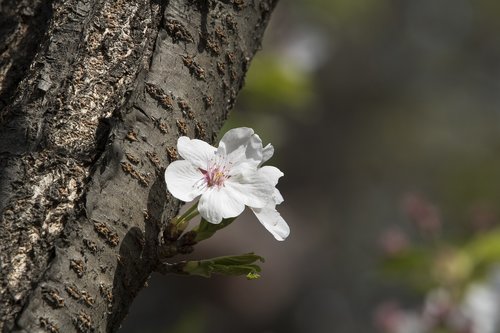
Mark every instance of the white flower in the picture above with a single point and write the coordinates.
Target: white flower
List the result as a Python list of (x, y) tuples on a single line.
[(227, 178), (268, 215), (481, 304)]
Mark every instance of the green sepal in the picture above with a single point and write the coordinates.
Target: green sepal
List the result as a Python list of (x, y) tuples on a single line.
[(206, 229), (228, 265)]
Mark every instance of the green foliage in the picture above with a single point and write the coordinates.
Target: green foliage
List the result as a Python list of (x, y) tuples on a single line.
[(453, 267), (272, 80), (484, 252), (206, 230), (411, 266), (227, 265)]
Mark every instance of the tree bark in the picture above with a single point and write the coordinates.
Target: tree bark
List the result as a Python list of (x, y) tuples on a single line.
[(93, 96)]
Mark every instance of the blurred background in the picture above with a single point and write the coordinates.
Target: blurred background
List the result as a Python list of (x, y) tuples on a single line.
[(385, 117)]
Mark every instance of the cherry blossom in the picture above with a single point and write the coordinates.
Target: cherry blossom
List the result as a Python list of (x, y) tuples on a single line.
[(228, 178)]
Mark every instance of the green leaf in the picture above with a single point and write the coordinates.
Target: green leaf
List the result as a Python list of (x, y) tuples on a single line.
[(271, 81), (253, 276), (227, 265), (412, 266), (484, 251), (206, 229)]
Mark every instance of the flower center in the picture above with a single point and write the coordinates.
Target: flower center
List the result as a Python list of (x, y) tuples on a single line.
[(217, 172)]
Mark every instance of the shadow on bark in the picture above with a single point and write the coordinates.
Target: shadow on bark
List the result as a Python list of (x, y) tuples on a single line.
[(21, 52), (137, 251), (127, 279)]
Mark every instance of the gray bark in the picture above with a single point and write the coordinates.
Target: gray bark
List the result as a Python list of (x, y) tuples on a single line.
[(94, 94)]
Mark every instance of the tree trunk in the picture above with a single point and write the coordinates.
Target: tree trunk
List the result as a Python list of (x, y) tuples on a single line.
[(93, 96)]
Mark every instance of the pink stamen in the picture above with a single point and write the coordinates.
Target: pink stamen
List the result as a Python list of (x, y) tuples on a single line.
[(216, 174)]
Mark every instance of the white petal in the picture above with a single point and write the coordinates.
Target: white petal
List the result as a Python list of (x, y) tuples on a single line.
[(216, 204), (267, 153), (234, 138), (242, 168), (195, 151), (272, 174), (277, 197), (273, 222), (241, 145), (252, 189), (183, 180)]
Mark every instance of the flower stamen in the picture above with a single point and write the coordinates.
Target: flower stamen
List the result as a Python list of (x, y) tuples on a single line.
[(216, 173)]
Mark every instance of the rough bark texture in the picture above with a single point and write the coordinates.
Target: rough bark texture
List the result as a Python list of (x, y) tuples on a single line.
[(94, 94)]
